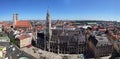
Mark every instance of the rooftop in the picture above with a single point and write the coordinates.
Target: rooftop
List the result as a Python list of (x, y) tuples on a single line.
[(23, 36), (23, 23)]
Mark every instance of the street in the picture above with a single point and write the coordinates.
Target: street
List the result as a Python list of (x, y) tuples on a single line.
[(15, 53)]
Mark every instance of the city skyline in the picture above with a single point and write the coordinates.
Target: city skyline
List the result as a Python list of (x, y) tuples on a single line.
[(61, 9)]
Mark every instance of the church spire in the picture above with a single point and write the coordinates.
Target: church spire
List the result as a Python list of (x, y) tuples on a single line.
[(48, 29), (48, 17), (48, 13), (48, 20)]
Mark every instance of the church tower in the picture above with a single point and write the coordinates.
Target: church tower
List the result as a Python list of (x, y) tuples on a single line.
[(48, 30), (15, 19)]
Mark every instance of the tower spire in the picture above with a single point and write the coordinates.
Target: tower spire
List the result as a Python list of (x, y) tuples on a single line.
[(48, 30), (48, 15)]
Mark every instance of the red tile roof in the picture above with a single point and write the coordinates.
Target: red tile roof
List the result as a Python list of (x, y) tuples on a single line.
[(8, 25), (2, 22), (23, 23), (23, 36), (5, 25)]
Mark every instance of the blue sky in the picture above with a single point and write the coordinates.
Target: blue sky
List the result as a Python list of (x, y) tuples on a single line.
[(61, 9)]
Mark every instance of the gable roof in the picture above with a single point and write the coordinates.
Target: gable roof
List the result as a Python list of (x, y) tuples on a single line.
[(23, 23)]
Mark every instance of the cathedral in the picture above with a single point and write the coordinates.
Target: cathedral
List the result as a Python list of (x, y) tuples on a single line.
[(21, 24)]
